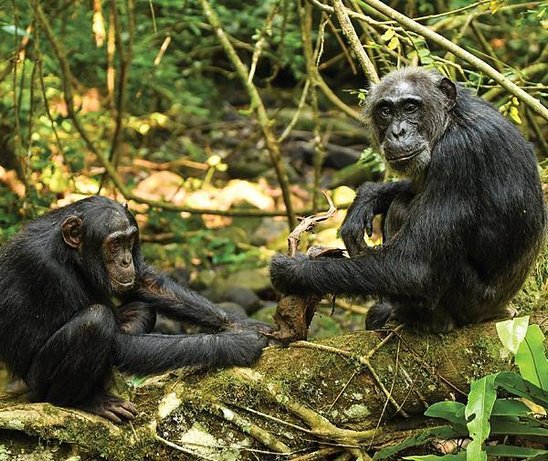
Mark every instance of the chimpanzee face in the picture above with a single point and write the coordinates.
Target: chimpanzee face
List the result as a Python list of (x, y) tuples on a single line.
[(398, 117), (117, 251), (409, 112), (106, 246)]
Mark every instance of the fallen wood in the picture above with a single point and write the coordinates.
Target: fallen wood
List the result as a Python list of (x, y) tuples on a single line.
[(361, 390), (344, 396)]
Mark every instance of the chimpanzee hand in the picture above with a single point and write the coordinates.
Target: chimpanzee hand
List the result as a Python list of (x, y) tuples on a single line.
[(359, 220), (285, 273), (245, 349)]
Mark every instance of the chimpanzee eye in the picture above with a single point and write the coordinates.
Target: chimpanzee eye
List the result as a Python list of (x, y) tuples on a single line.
[(384, 111), (410, 107)]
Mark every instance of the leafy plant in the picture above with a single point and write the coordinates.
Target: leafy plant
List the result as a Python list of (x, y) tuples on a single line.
[(488, 415)]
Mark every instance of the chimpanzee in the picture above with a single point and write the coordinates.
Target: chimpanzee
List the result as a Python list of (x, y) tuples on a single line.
[(460, 233), (60, 278)]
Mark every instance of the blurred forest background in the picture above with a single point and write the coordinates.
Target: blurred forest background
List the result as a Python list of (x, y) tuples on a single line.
[(219, 122)]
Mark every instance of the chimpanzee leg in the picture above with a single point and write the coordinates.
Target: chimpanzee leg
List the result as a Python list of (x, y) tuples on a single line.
[(71, 368), (72, 365), (74, 362)]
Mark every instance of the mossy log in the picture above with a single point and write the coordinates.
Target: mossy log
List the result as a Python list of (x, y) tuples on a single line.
[(361, 390), (339, 398)]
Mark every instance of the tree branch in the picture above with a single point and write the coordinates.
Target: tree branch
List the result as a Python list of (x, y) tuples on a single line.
[(258, 106), (348, 29), (461, 53)]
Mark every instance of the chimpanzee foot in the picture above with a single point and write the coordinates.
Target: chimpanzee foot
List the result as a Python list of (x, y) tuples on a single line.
[(378, 315), (110, 407)]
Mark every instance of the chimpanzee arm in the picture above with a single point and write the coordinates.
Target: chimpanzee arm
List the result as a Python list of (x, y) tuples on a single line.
[(184, 304), (415, 263), (148, 354), (376, 272), (371, 199)]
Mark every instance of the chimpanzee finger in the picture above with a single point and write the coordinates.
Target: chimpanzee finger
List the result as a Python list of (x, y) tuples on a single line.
[(120, 411), (355, 245), (111, 416), (130, 407), (369, 223)]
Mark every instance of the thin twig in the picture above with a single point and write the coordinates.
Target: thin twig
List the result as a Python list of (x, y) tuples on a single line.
[(319, 424), (124, 56), (247, 426), (183, 449), (312, 56), (278, 420), (296, 115), (348, 29), (339, 395), (364, 360), (308, 223), (261, 41)]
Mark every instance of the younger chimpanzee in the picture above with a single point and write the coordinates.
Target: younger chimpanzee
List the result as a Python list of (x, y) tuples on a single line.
[(460, 234), (60, 332)]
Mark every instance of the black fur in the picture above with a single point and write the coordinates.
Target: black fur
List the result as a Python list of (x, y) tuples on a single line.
[(460, 234), (61, 332)]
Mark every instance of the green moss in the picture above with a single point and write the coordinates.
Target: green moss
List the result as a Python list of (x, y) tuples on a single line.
[(533, 296)]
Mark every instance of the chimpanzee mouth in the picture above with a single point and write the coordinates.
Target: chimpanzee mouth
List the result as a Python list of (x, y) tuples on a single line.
[(123, 284), (403, 158)]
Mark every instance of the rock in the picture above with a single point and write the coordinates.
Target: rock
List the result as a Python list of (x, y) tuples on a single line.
[(168, 326), (266, 313), (233, 307), (256, 280), (181, 275), (242, 296), (270, 230)]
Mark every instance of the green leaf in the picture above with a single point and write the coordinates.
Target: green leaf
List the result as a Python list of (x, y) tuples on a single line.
[(510, 451), (512, 332), (458, 457), (481, 399), (393, 43), (531, 359), (388, 35), (510, 407), (514, 115), (447, 410), (13, 30), (523, 428), (516, 385)]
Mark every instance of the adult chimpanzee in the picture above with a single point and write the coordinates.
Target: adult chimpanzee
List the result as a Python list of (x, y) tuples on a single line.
[(460, 233), (60, 331)]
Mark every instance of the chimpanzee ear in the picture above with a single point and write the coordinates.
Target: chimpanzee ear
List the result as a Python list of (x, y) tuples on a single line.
[(73, 231), (449, 89)]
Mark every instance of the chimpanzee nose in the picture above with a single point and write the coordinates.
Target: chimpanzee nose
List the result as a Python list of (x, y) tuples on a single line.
[(397, 130), (126, 260)]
